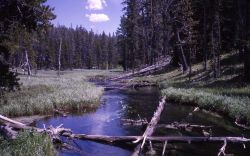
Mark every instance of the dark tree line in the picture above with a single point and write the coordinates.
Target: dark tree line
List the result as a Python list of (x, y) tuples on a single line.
[(28, 40), (78, 48), (188, 30), (18, 16)]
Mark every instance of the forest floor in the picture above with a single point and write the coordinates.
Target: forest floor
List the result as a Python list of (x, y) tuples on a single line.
[(44, 92), (227, 95)]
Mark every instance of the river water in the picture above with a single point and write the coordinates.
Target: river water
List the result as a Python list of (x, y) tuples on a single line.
[(135, 104)]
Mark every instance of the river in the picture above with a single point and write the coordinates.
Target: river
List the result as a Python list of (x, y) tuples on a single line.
[(117, 104)]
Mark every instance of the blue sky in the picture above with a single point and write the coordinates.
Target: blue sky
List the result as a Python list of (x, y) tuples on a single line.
[(99, 15)]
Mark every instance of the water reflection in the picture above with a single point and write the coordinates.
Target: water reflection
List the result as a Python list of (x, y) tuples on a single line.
[(135, 104)]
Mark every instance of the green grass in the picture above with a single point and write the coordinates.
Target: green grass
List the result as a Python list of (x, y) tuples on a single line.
[(227, 94), (27, 144), (234, 106), (46, 91)]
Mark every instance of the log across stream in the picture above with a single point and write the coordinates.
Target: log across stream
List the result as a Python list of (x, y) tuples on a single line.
[(139, 104)]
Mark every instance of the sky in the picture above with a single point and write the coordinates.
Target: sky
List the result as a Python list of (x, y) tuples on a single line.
[(98, 15)]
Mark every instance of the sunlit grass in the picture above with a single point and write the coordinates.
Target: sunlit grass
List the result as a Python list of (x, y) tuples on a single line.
[(27, 144), (46, 91)]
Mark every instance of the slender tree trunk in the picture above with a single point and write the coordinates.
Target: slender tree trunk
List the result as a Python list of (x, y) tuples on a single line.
[(27, 62), (205, 35), (183, 57), (247, 64), (59, 57), (190, 63), (107, 62), (213, 52), (218, 21), (246, 38)]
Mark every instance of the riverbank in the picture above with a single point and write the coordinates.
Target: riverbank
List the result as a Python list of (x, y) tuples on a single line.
[(227, 95), (28, 144), (42, 93)]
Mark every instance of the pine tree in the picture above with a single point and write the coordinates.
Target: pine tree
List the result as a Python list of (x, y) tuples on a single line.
[(21, 14)]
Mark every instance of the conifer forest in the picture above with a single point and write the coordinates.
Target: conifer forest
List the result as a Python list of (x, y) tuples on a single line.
[(124, 77)]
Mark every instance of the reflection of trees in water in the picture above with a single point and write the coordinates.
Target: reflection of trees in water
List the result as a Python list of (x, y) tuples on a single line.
[(141, 103)]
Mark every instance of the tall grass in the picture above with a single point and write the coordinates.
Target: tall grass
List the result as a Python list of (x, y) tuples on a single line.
[(27, 144), (234, 106), (42, 93)]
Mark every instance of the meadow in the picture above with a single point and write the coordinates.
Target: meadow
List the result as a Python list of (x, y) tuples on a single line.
[(40, 94)]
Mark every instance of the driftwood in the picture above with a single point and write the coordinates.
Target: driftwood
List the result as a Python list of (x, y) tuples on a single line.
[(185, 126), (241, 125), (3, 118), (158, 66), (64, 114), (128, 122), (8, 132), (141, 84), (53, 132), (56, 132), (175, 125), (150, 128)]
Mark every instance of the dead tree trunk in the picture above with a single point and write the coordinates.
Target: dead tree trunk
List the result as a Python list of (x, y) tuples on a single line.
[(150, 128), (174, 139), (146, 70), (183, 57), (59, 57), (205, 35), (27, 62), (8, 132), (55, 134)]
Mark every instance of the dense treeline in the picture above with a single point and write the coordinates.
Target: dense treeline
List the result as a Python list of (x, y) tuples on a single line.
[(28, 40), (78, 48), (18, 16), (188, 30)]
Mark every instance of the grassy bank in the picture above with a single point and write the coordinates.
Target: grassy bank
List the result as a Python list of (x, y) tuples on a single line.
[(28, 144), (42, 93), (227, 94)]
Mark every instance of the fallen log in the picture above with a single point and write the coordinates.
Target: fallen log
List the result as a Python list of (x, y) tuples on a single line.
[(63, 114), (150, 128), (183, 126), (141, 122), (175, 125), (141, 85), (8, 132), (53, 132), (171, 139), (241, 125), (155, 67), (5, 119)]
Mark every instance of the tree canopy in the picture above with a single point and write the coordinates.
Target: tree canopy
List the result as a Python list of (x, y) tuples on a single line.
[(16, 16)]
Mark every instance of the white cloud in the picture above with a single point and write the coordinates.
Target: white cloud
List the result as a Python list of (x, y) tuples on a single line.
[(96, 4), (97, 17)]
